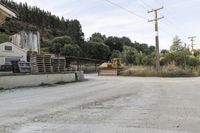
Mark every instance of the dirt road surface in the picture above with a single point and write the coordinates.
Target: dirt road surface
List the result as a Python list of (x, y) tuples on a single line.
[(104, 105)]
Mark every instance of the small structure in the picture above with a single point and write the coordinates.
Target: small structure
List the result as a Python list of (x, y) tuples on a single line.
[(59, 64), (10, 52), (81, 60)]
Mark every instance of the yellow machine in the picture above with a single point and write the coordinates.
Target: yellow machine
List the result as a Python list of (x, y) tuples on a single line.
[(111, 68)]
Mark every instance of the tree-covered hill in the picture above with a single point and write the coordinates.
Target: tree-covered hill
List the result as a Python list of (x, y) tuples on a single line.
[(35, 19)]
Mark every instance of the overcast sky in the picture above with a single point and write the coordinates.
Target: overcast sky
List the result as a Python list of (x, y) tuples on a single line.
[(182, 18)]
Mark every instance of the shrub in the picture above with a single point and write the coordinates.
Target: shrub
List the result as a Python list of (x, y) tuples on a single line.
[(4, 38)]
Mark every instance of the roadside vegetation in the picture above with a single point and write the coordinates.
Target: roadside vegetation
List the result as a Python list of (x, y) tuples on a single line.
[(166, 71), (179, 61)]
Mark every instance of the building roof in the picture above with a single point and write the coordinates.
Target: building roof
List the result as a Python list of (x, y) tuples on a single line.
[(7, 12), (9, 43)]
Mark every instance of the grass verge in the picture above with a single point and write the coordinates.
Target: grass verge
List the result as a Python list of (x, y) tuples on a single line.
[(167, 72)]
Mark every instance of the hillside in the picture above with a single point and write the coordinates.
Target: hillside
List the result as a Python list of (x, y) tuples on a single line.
[(35, 19)]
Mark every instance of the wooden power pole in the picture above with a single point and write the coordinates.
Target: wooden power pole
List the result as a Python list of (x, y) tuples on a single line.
[(192, 42), (155, 11), (185, 50)]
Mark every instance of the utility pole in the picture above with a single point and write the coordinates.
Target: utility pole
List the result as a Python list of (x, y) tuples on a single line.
[(155, 11), (185, 62), (192, 42)]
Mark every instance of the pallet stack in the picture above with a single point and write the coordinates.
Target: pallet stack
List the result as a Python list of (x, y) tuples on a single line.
[(41, 63), (58, 64)]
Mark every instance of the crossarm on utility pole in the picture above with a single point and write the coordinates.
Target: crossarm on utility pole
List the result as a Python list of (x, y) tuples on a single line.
[(192, 42)]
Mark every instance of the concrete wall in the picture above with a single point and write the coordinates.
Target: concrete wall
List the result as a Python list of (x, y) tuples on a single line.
[(80, 75), (2, 60), (8, 82)]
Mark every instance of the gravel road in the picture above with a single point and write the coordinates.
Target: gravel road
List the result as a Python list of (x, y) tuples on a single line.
[(104, 105)]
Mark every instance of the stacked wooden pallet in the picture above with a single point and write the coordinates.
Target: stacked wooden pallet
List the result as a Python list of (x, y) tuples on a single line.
[(41, 63), (59, 64)]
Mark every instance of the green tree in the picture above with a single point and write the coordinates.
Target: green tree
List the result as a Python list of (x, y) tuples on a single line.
[(126, 41), (129, 55), (63, 24), (177, 57), (164, 51), (114, 43), (96, 50), (71, 50), (4, 38), (115, 54), (56, 48), (152, 49), (63, 40), (74, 30), (65, 46), (193, 61), (149, 60), (98, 37), (46, 43), (142, 47), (177, 44), (139, 58), (197, 52)]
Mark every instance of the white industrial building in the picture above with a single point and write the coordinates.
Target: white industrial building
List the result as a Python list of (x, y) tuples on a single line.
[(20, 43), (10, 52), (27, 40)]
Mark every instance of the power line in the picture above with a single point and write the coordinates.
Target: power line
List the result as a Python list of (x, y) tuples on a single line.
[(133, 13), (147, 5), (125, 9), (166, 19), (165, 31)]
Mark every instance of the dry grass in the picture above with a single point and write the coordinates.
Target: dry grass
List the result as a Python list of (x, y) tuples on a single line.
[(166, 71)]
